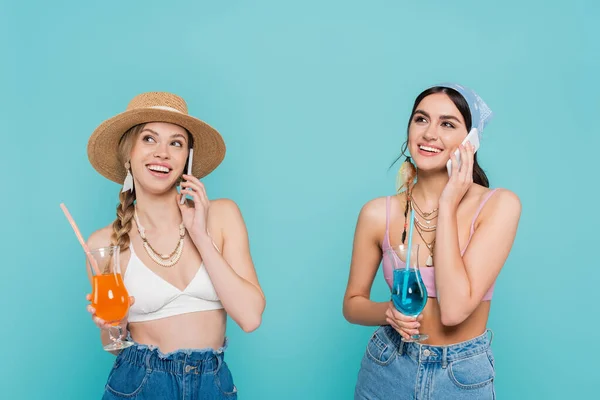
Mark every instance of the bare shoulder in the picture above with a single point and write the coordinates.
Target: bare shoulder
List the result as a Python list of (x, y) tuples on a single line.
[(374, 210), (100, 238), (372, 217), (224, 209), (503, 203), (225, 216)]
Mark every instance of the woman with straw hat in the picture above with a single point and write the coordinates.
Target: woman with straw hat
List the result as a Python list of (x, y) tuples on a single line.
[(438, 346), (185, 263)]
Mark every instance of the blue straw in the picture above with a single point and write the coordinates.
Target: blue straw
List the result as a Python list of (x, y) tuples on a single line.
[(410, 236)]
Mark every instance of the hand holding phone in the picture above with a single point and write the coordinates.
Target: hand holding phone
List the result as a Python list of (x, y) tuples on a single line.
[(473, 138)]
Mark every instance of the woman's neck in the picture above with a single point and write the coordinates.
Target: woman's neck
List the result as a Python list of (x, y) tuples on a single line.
[(158, 211), (428, 189)]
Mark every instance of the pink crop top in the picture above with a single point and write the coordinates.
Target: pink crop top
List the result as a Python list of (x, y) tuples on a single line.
[(427, 273)]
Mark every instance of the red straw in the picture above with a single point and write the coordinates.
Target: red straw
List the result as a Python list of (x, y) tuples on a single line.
[(80, 238)]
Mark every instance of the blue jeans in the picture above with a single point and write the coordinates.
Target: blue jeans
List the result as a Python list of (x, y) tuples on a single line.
[(141, 372), (392, 369)]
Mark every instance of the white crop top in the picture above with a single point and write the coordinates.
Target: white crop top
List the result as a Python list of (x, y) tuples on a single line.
[(156, 298)]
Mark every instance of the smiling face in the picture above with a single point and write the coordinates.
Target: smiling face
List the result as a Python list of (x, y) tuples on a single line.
[(436, 128), (158, 156)]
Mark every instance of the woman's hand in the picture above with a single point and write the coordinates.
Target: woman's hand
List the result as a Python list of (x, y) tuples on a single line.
[(406, 326), (102, 324), (194, 218), (460, 178)]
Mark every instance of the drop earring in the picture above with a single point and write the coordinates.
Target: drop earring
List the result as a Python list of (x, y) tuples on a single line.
[(128, 184)]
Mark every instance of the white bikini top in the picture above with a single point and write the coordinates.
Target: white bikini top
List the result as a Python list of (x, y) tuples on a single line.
[(156, 298)]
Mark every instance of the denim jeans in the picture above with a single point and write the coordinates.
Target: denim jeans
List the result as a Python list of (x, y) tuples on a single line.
[(392, 369), (141, 372)]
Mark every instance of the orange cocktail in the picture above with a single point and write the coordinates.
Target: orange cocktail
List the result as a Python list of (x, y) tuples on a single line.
[(109, 297)]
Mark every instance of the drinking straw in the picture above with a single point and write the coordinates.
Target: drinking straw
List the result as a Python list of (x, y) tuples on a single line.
[(410, 236), (80, 238)]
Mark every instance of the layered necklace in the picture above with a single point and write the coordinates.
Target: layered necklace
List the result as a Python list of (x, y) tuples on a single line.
[(424, 224), (164, 260)]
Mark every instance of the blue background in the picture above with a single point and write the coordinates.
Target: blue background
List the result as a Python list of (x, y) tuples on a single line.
[(312, 99)]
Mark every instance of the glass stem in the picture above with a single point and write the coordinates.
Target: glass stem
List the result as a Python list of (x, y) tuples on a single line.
[(112, 337)]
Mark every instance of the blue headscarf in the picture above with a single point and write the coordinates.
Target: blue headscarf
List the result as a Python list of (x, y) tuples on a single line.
[(481, 114)]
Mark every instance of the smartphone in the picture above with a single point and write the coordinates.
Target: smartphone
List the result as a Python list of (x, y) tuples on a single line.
[(189, 169), (473, 138)]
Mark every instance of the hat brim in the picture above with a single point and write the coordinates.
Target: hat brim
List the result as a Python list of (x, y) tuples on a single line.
[(209, 147)]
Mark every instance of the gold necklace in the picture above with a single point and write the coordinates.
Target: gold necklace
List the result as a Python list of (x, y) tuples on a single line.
[(426, 228), (429, 246), (420, 228), (165, 260), (428, 217), (421, 212)]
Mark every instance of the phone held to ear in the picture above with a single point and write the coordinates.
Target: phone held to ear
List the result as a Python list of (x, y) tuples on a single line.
[(473, 138), (189, 170)]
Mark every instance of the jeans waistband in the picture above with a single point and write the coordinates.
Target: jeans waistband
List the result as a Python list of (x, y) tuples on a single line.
[(425, 353), (183, 361)]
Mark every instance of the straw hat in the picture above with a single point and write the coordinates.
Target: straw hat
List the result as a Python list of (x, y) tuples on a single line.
[(209, 147)]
